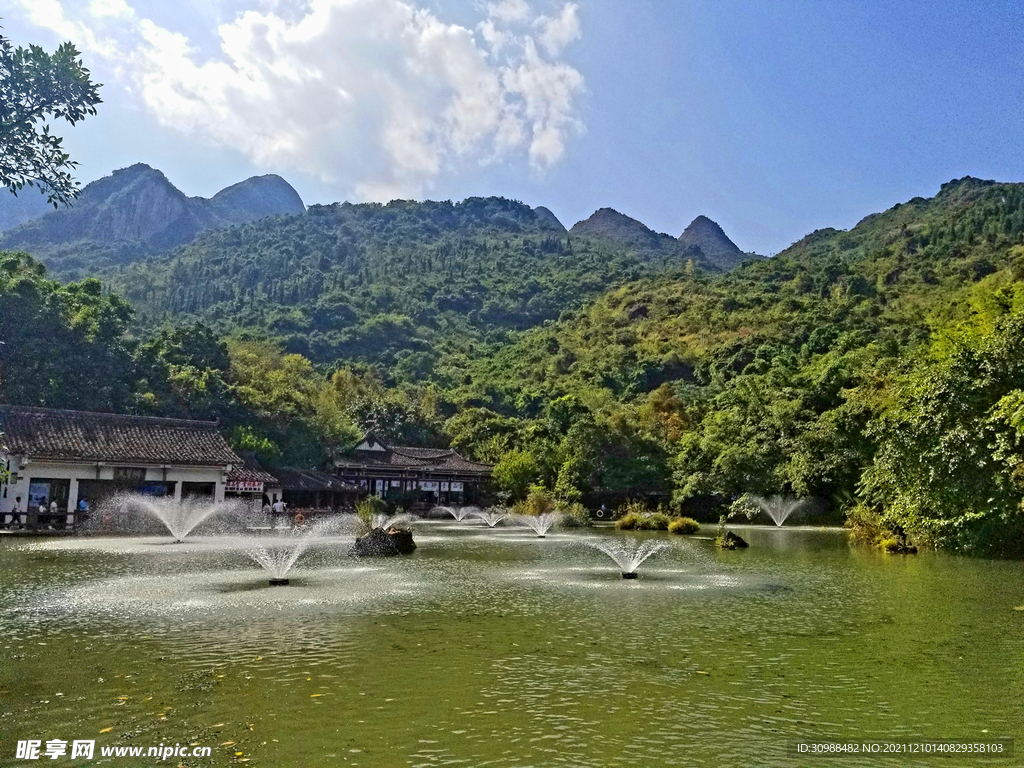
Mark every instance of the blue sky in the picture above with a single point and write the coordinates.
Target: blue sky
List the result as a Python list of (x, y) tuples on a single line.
[(774, 119)]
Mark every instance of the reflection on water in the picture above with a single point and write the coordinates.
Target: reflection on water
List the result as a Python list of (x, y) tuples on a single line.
[(494, 647)]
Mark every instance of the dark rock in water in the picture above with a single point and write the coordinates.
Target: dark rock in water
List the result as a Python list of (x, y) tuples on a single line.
[(381, 543), (731, 541)]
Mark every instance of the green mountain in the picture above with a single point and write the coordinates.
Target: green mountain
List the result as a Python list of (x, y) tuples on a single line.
[(395, 284), (709, 238), (827, 371), (609, 225), (878, 372), (134, 213)]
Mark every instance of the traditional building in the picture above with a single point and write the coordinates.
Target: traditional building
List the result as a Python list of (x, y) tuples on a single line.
[(316, 491), (427, 476), (66, 456), (251, 482)]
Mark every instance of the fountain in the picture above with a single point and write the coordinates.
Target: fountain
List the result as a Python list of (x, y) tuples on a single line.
[(401, 521), (278, 555), (778, 508), (627, 554), (460, 513), (179, 517), (541, 523), (492, 516)]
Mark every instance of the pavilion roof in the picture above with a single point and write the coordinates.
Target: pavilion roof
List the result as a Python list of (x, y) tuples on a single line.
[(45, 433)]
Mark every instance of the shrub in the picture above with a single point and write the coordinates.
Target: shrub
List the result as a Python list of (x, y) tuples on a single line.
[(897, 547), (631, 508), (538, 501), (683, 525), (657, 521), (368, 508), (574, 515), (643, 521), (630, 521)]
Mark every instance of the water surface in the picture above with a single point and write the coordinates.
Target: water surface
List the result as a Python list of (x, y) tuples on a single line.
[(492, 647)]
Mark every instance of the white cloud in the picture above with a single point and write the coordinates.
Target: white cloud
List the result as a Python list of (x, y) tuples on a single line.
[(558, 32), (379, 96), (103, 8), (509, 10), (547, 90)]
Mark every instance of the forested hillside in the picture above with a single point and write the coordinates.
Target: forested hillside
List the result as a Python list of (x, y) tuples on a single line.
[(805, 374), (396, 284), (879, 371)]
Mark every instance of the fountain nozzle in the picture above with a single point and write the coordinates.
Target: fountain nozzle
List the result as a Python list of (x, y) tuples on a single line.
[(278, 582), (629, 574)]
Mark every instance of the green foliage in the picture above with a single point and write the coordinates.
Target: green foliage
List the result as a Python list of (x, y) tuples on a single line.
[(369, 508), (35, 86), (409, 286), (538, 502), (683, 525), (630, 521), (64, 345), (246, 438), (634, 516), (516, 473), (950, 453), (184, 371), (574, 515)]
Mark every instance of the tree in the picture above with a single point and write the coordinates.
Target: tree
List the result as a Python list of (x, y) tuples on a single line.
[(64, 345), (34, 86)]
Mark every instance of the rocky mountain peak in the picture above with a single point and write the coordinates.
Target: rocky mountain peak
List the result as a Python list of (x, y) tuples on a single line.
[(545, 214), (136, 211), (710, 238)]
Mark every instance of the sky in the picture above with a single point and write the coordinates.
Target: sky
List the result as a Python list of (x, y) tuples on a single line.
[(772, 118)]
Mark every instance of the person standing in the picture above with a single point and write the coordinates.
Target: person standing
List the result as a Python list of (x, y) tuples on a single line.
[(11, 518), (52, 521)]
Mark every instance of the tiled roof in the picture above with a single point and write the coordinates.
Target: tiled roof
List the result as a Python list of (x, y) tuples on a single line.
[(251, 475), (43, 433), (312, 480), (425, 459)]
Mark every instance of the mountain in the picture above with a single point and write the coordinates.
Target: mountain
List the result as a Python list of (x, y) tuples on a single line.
[(610, 225), (255, 198), (548, 216), (703, 241), (387, 284), (136, 212), (29, 204), (889, 279), (712, 241), (879, 370)]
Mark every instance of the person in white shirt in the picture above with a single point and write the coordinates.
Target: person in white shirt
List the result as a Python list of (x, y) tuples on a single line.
[(11, 518)]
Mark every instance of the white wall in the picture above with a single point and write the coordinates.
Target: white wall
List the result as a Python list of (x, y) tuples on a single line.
[(75, 471)]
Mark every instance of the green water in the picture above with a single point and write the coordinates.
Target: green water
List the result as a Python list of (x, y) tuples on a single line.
[(495, 648)]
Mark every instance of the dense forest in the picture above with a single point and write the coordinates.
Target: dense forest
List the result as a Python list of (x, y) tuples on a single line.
[(396, 284), (879, 370)]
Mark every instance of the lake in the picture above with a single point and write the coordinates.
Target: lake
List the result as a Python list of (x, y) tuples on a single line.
[(492, 647)]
